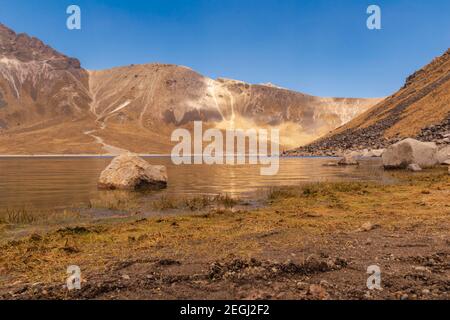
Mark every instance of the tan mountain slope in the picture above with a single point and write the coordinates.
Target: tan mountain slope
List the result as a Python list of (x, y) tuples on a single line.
[(38, 83), (420, 109), (157, 98), (49, 104), (44, 98)]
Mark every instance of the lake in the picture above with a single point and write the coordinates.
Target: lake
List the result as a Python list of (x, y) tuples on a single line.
[(57, 183)]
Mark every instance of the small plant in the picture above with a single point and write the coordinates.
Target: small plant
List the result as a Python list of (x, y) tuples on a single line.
[(116, 201), (311, 190), (20, 216), (197, 203), (227, 201), (164, 203), (280, 193), (23, 216)]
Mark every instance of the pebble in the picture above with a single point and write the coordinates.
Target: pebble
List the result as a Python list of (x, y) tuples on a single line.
[(420, 268), (325, 283), (318, 292)]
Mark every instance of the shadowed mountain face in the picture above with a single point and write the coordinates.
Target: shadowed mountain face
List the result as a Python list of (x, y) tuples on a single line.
[(420, 109), (49, 104)]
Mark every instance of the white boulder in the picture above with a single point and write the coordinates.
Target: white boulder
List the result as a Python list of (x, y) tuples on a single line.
[(130, 172), (410, 151), (443, 155)]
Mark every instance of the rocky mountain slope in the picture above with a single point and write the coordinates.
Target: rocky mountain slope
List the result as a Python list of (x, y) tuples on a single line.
[(420, 109), (49, 104), (38, 83)]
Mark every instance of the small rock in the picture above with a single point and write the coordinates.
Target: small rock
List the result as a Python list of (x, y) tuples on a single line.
[(422, 269), (368, 226), (348, 160), (378, 153), (301, 285), (414, 167), (331, 164), (325, 283), (35, 237), (425, 291), (318, 292), (126, 277)]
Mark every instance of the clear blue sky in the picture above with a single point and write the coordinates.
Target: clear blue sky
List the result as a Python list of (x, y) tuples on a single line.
[(321, 47)]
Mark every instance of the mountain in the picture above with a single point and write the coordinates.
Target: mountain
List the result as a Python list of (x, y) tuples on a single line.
[(38, 82), (49, 104), (420, 109)]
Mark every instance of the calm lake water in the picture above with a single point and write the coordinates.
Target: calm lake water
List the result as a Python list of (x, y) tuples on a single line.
[(56, 183)]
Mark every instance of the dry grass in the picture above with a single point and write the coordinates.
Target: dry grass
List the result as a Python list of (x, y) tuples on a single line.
[(27, 216), (197, 203), (117, 201), (133, 202)]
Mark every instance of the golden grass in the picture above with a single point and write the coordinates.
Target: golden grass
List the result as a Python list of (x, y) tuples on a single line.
[(134, 202)]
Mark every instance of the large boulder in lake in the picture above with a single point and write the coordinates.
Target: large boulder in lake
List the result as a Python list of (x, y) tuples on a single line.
[(410, 151), (130, 172)]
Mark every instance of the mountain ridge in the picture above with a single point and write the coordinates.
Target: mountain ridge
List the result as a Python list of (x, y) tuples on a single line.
[(50, 104)]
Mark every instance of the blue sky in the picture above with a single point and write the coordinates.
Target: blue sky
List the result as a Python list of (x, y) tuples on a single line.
[(321, 47)]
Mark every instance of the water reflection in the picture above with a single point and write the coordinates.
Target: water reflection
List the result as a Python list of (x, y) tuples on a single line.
[(49, 183)]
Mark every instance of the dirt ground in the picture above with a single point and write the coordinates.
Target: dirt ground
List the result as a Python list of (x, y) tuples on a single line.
[(314, 241)]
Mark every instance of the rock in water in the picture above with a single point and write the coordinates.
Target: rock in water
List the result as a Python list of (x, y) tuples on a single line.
[(330, 164), (376, 153), (443, 155), (349, 159), (414, 167), (410, 151), (130, 172)]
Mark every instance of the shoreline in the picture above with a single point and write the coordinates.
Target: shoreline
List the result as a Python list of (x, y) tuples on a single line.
[(81, 155), (6, 156)]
